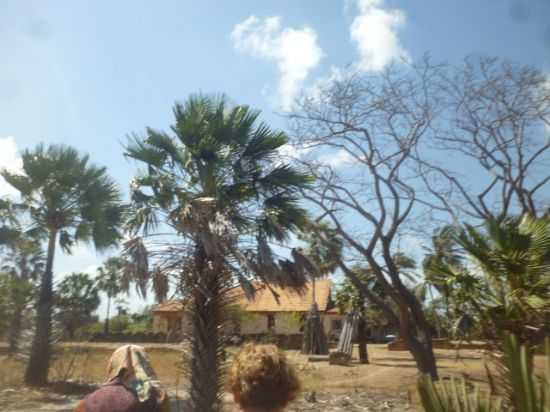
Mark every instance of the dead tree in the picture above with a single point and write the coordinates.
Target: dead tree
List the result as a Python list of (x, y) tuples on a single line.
[(495, 128), (366, 187)]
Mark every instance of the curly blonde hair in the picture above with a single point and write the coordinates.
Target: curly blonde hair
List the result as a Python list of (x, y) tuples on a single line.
[(262, 378)]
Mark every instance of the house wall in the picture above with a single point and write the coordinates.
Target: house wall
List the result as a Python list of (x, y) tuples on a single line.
[(163, 322), (286, 323)]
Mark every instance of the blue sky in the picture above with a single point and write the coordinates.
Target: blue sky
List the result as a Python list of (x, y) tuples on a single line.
[(87, 73)]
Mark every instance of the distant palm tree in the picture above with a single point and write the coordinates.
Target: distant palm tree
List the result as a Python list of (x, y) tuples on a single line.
[(68, 200), (24, 262), (218, 182), (111, 281), (444, 255)]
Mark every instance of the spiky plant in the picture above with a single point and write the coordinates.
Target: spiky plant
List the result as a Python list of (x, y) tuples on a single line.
[(68, 200), (527, 392), (217, 183)]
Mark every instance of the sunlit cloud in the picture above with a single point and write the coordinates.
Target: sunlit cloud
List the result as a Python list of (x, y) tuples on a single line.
[(375, 33), (336, 160), (295, 51)]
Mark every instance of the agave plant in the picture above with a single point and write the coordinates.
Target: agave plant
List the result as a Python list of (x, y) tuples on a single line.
[(217, 183), (526, 391)]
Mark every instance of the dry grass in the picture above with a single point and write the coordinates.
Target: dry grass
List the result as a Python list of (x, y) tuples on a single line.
[(391, 372)]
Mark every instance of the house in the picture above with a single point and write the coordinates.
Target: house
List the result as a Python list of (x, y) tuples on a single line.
[(265, 314)]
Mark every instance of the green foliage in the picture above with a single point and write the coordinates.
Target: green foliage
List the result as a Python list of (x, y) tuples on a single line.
[(15, 296), (454, 396), (218, 151), (85, 332), (511, 282), (68, 200), (219, 158), (323, 246), (62, 191), (76, 298), (528, 393), (120, 323), (110, 278)]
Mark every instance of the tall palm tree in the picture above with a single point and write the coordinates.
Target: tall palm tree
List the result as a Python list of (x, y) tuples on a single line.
[(24, 262), (68, 200), (110, 280), (218, 182)]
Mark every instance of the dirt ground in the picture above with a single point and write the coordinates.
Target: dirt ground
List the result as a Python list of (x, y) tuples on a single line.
[(387, 383)]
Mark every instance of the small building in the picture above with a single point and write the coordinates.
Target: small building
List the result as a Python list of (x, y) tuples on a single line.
[(273, 310)]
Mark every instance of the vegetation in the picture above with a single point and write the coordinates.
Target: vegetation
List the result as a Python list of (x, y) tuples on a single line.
[(217, 183), (527, 392), (76, 299), (349, 298), (213, 196), (67, 200), (510, 283), (110, 280), (23, 263)]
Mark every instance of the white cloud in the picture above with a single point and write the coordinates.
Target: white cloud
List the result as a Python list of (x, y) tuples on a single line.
[(341, 158), (295, 51), (10, 160), (323, 83), (375, 32), (293, 151)]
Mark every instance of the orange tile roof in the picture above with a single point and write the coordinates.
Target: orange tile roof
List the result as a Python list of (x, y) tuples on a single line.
[(289, 300)]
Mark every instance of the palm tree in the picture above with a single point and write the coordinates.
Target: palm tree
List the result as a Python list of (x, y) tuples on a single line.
[(324, 250), (443, 256), (68, 200), (24, 262), (110, 280), (218, 183), (512, 265)]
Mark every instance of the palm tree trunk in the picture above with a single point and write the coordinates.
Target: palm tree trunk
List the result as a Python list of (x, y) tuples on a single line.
[(39, 362), (207, 347), (106, 330)]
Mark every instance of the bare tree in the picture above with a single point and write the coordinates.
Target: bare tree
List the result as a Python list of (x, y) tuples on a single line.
[(363, 133), (496, 127)]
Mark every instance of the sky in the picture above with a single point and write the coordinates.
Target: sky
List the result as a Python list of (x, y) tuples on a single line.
[(88, 73)]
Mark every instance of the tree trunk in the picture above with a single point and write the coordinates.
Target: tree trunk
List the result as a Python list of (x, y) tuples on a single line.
[(419, 342), (362, 339), (207, 347), (106, 330), (39, 362)]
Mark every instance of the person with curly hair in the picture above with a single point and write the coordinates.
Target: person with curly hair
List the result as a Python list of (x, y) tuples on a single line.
[(262, 380)]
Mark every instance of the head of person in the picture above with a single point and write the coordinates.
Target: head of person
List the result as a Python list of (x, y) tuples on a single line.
[(262, 380)]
